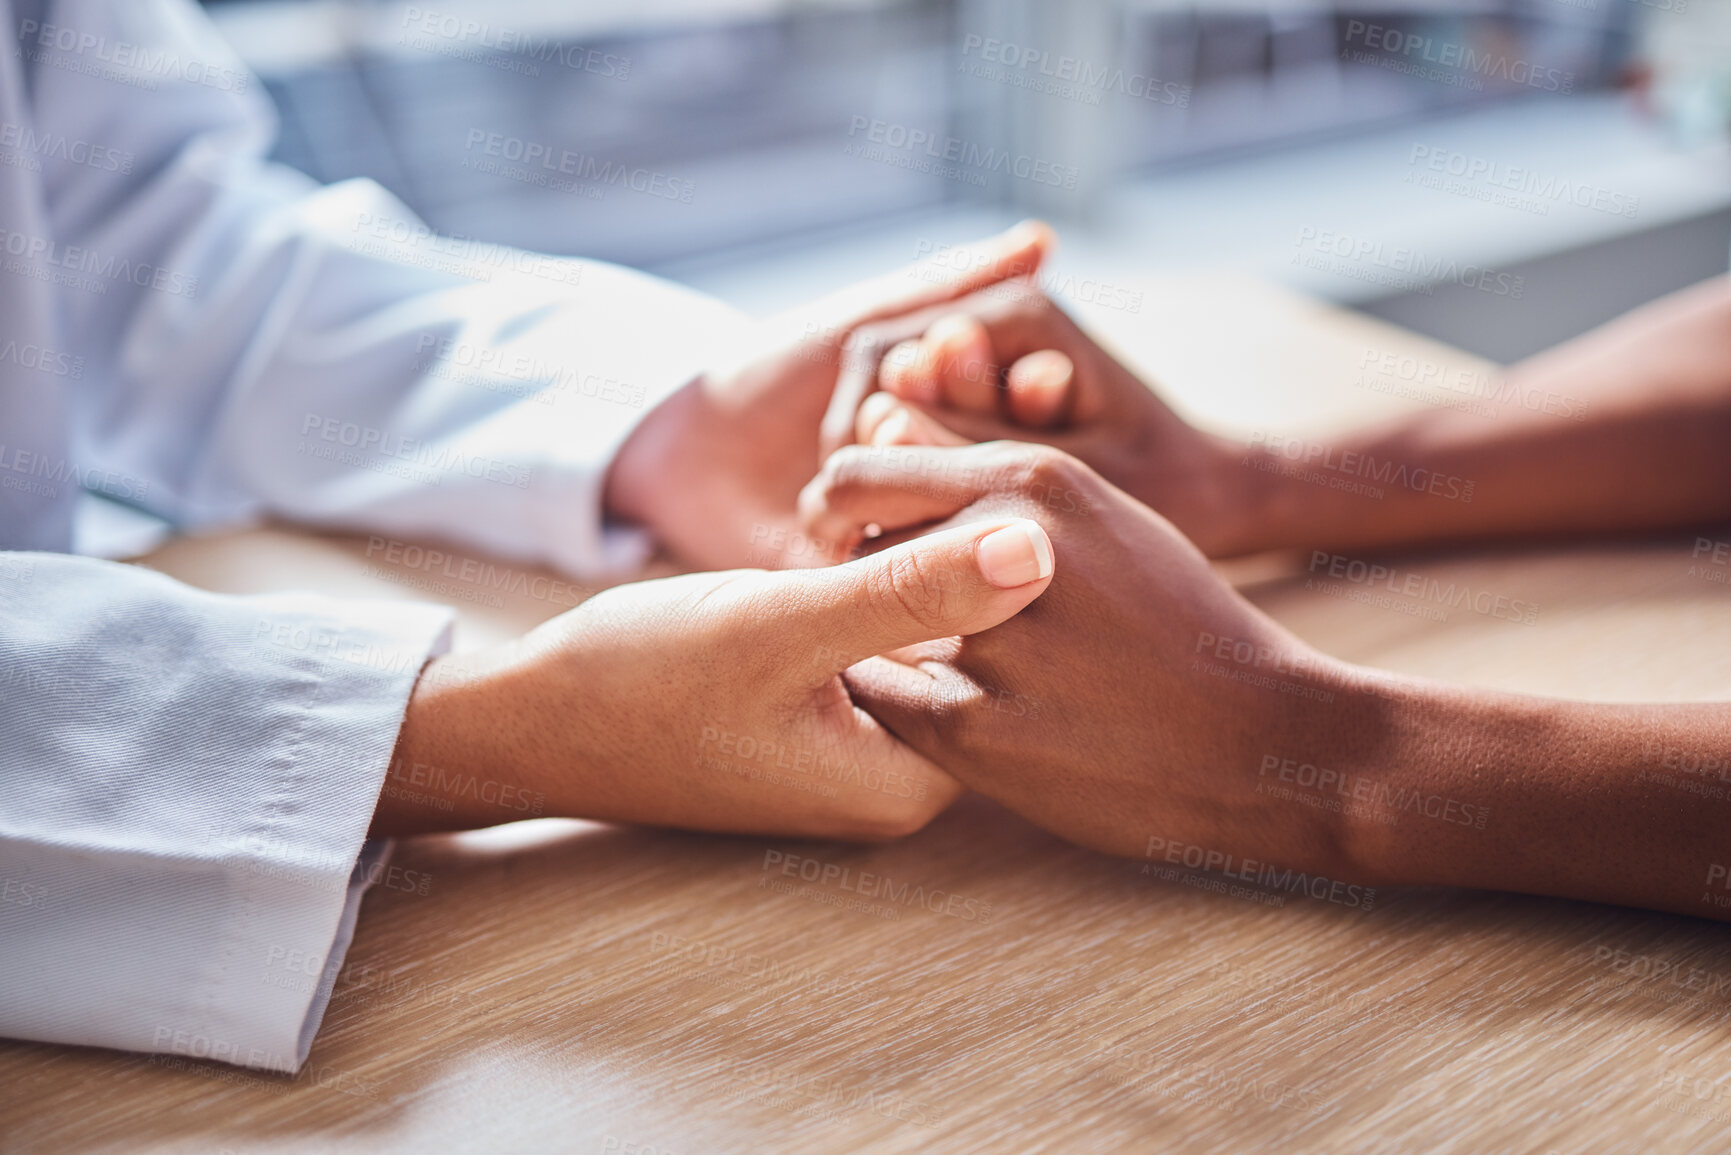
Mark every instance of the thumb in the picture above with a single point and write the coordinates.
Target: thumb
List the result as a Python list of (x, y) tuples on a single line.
[(949, 274), (958, 581)]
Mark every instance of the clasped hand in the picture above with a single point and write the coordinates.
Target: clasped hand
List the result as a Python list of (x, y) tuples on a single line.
[(713, 700), (757, 701)]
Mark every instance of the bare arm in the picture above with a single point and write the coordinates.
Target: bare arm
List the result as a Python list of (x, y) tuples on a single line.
[(1650, 450), (1606, 803), (1625, 428), (1143, 708)]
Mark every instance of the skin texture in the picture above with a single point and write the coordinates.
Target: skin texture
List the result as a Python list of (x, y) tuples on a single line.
[(1007, 363), (712, 701), (714, 470), (1208, 705), (1092, 714), (1142, 705), (709, 701), (1622, 429)]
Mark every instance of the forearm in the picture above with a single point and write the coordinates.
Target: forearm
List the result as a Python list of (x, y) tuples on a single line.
[(478, 748), (1624, 429), (453, 766), (1622, 804)]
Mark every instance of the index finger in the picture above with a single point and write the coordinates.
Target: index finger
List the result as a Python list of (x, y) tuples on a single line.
[(895, 487)]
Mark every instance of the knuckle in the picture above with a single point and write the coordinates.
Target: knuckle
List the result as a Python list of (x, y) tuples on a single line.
[(871, 340), (903, 354), (966, 726), (913, 587), (844, 467), (1051, 465), (954, 715), (1034, 470), (845, 482)]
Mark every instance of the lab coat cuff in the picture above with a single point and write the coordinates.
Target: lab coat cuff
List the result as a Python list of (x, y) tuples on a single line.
[(581, 538), (314, 860), (660, 337)]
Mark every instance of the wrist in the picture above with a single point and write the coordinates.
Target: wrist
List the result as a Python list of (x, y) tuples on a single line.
[(1304, 755), (447, 772), (1422, 778), (1234, 500), (639, 476), (1447, 786), (1340, 772)]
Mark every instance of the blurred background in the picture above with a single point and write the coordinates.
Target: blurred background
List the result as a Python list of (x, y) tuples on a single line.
[(1499, 174)]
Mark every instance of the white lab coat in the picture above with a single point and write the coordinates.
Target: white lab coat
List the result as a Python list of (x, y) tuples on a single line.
[(186, 779)]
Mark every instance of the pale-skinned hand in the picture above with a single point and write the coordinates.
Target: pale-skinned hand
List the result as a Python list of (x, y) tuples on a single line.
[(713, 701), (715, 470)]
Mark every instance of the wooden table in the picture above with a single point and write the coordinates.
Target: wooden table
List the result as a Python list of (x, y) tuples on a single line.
[(564, 986)]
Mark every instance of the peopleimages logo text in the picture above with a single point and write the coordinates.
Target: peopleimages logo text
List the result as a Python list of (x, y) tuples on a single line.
[(1068, 75), (1411, 46), (143, 61), (966, 154), (450, 34), (577, 165), (45, 253), (1422, 268)]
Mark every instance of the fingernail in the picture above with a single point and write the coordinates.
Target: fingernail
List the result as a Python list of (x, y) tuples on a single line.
[(1015, 555), (891, 429), (950, 329), (1028, 232), (1046, 369)]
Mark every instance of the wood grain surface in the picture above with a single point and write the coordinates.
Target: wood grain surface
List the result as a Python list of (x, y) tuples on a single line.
[(568, 987)]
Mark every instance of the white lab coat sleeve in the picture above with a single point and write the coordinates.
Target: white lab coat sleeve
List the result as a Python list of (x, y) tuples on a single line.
[(258, 344), (186, 783)]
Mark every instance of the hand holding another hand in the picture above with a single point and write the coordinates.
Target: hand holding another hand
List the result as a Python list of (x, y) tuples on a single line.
[(714, 471), (1097, 712), (712, 701), (1005, 362), (1137, 698)]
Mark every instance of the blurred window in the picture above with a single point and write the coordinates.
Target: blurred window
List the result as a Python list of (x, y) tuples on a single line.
[(644, 131)]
